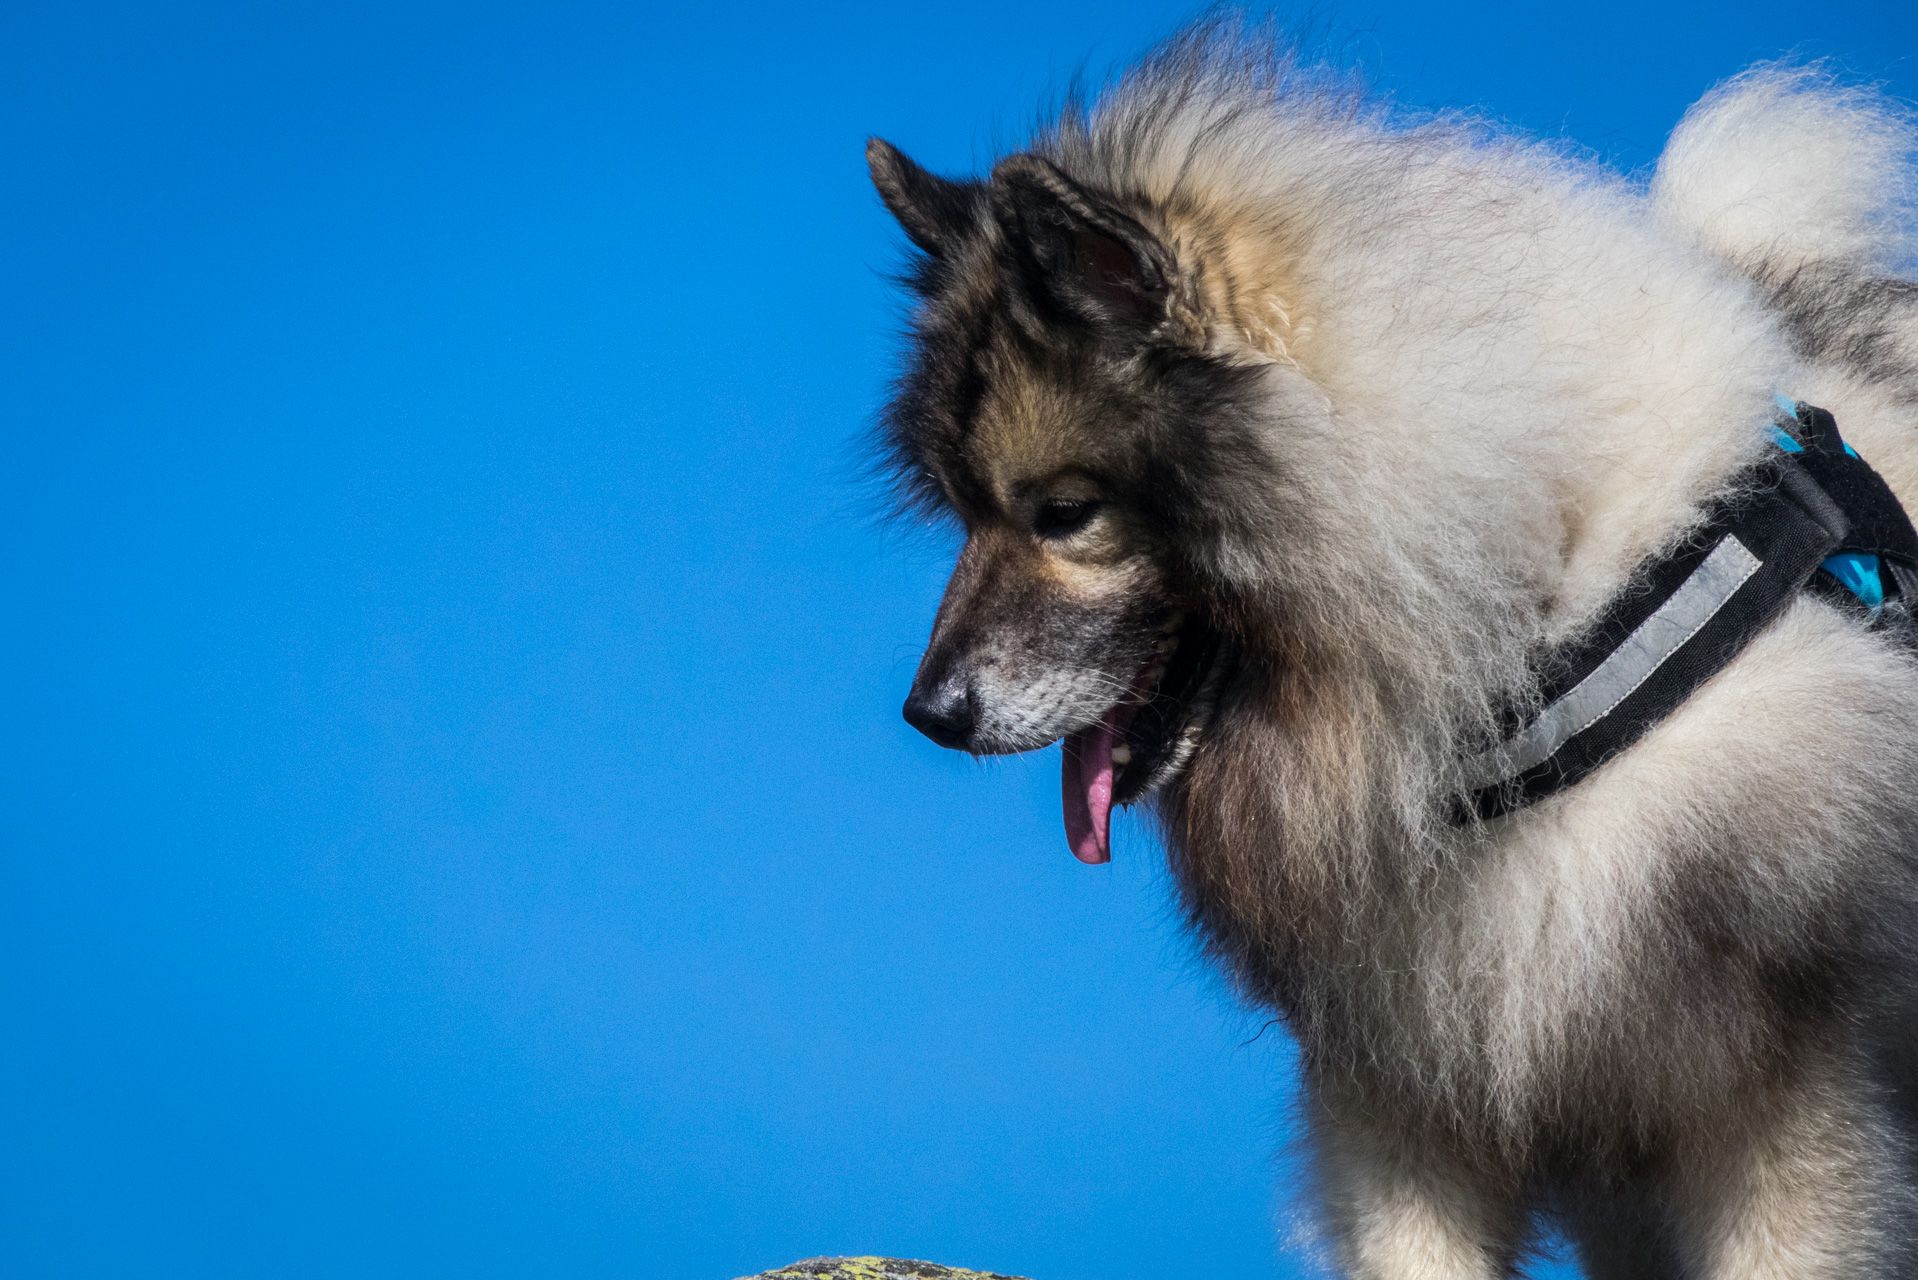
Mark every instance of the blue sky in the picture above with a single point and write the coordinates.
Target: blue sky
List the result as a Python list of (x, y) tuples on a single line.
[(457, 820)]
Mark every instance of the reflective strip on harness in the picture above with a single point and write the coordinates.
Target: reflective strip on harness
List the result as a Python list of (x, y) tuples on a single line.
[(1687, 613), (1630, 665)]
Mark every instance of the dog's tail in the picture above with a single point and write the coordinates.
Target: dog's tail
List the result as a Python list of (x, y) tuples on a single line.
[(1783, 168)]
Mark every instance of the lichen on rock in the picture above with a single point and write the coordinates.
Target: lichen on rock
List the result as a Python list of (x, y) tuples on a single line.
[(873, 1269)]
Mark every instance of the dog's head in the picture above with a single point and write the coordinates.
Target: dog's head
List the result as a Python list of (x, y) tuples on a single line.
[(1063, 401)]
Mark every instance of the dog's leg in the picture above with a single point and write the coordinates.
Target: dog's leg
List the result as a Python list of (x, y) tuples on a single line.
[(1805, 1186), (1402, 1210)]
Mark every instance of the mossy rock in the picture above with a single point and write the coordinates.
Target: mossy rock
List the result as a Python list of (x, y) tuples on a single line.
[(874, 1269)]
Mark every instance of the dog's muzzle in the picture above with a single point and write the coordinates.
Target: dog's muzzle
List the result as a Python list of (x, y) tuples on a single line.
[(1132, 748)]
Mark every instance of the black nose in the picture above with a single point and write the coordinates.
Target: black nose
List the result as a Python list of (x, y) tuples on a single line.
[(944, 713)]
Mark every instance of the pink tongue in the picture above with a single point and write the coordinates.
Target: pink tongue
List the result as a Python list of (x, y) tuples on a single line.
[(1086, 779)]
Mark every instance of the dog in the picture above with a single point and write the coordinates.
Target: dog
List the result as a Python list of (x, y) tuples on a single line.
[(1286, 431)]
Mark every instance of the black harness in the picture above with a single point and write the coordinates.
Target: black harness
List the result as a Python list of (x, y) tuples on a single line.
[(1813, 517)]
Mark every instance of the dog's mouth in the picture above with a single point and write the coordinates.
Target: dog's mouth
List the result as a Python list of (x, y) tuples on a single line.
[(1144, 739)]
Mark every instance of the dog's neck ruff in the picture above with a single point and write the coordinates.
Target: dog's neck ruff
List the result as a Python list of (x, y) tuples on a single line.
[(1813, 517)]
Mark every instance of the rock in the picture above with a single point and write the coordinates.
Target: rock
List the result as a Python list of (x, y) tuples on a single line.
[(873, 1269)]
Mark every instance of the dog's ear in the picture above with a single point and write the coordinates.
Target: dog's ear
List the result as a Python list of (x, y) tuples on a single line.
[(934, 211), (1091, 257)]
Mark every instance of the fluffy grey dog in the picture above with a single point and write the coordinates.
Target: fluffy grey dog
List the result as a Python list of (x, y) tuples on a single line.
[(1286, 434)]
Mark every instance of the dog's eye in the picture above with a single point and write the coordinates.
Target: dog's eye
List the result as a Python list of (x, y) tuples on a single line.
[(1061, 518)]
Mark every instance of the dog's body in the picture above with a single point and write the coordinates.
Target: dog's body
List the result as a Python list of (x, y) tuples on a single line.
[(1286, 438)]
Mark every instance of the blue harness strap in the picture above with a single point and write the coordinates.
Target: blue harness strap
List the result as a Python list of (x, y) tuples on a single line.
[(1815, 517), (1857, 571), (1877, 560)]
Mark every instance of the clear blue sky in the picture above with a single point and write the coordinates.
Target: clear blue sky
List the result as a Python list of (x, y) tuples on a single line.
[(457, 820)]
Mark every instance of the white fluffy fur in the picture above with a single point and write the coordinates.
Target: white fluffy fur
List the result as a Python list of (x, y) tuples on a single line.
[(1784, 166)]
